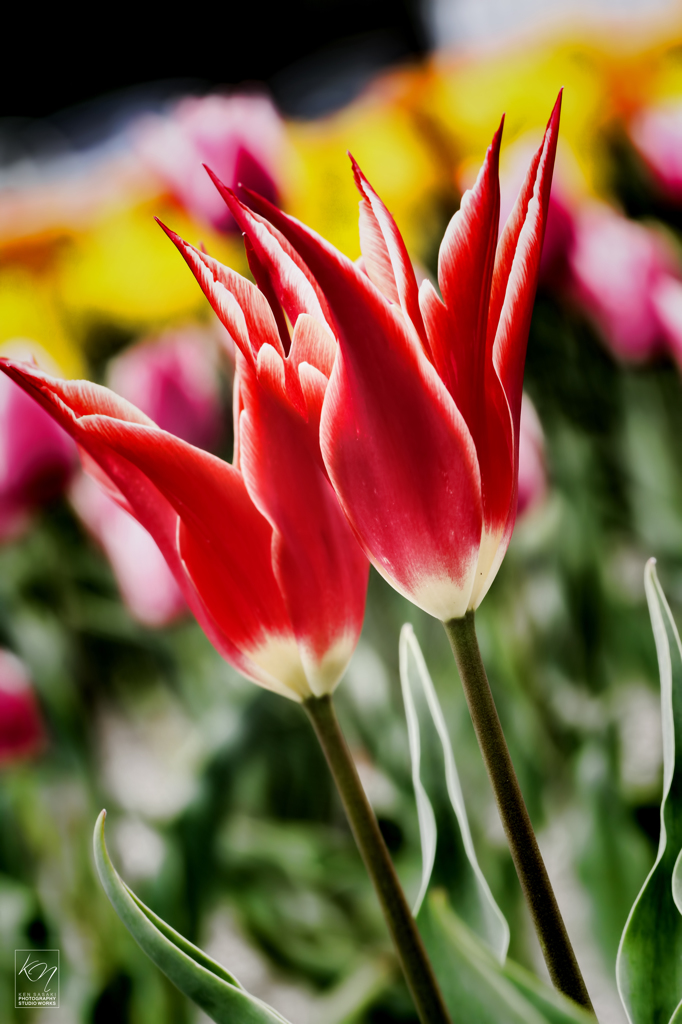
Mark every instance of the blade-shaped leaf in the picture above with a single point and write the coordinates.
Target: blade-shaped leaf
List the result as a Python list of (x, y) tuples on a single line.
[(472, 898), (649, 965), (199, 977), (476, 987)]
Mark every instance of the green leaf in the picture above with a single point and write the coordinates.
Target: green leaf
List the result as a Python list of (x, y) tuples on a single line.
[(649, 965), (204, 981), (472, 897), (476, 987)]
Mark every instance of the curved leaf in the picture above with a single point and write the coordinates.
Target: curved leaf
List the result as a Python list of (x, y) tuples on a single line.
[(476, 987), (204, 981), (472, 899), (649, 965)]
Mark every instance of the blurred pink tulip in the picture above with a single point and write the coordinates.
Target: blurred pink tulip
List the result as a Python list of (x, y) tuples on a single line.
[(240, 137), (657, 134), (617, 266), (147, 585), (36, 459), (174, 380), (532, 470), (667, 300), (22, 733)]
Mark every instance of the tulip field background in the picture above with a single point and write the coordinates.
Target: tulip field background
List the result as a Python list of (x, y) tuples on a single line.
[(221, 814)]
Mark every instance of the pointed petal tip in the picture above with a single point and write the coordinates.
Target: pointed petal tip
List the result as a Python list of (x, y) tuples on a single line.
[(173, 235), (358, 177), (225, 191), (492, 155), (213, 176), (556, 110)]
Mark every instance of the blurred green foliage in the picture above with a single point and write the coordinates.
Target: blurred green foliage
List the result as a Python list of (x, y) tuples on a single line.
[(221, 812)]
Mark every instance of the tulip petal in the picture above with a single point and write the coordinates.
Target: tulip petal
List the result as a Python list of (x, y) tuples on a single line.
[(238, 304), (176, 491), (210, 497), (318, 563), (311, 343), (386, 259), (419, 518), (465, 268), (516, 270), (293, 289), (456, 329), (262, 279)]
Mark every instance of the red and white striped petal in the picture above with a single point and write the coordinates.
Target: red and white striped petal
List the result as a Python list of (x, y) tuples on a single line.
[(398, 451), (318, 563), (293, 289), (516, 270), (239, 305), (196, 507), (387, 262), (311, 343), (456, 329), (465, 267)]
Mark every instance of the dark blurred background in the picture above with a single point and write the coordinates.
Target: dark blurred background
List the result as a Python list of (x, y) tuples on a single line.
[(64, 57)]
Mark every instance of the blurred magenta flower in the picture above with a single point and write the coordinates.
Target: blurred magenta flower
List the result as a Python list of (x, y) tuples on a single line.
[(174, 380), (37, 459), (147, 585), (260, 548), (657, 134), (22, 732), (240, 136), (617, 267), (532, 486), (420, 423)]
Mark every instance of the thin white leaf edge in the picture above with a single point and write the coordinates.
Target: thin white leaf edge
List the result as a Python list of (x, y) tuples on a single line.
[(496, 921), (658, 609)]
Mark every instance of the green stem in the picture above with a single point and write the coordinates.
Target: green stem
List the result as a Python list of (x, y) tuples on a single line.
[(530, 867), (413, 959)]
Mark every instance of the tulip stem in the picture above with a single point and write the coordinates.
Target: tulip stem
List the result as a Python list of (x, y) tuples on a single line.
[(530, 867), (416, 966)]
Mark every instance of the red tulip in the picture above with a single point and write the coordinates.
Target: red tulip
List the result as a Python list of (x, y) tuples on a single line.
[(420, 423), (36, 459), (22, 733), (260, 548)]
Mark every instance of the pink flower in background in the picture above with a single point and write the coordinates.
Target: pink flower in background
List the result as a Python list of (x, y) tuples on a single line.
[(667, 301), (22, 732), (559, 241), (657, 134), (532, 486), (174, 380), (240, 137), (37, 459), (617, 267), (147, 585)]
